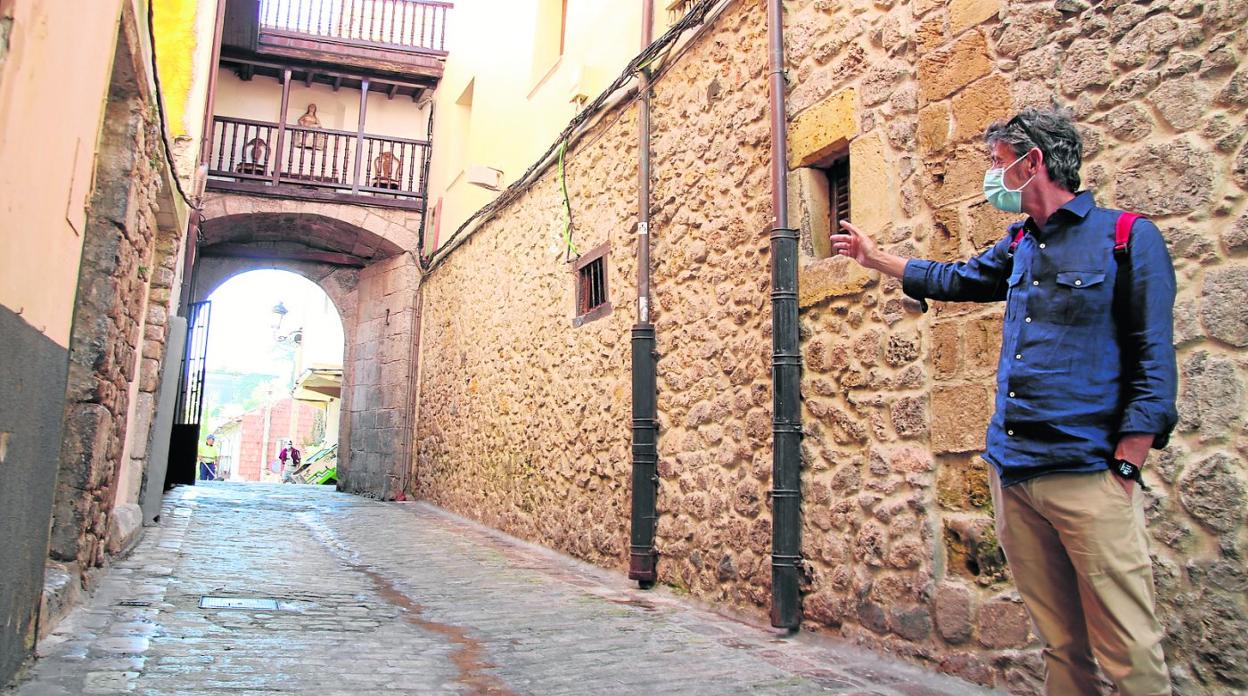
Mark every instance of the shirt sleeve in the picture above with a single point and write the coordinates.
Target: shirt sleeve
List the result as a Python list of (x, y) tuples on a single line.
[(1150, 370), (981, 279)]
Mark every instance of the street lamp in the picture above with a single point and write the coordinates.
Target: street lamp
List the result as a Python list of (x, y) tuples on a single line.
[(279, 313)]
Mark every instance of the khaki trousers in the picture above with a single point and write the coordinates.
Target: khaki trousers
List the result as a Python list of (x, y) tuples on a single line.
[(1078, 550)]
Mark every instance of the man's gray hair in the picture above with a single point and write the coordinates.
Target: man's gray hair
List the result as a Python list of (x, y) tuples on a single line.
[(1051, 130)]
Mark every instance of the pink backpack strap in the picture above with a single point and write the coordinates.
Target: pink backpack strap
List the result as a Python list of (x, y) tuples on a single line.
[(1018, 237), (1122, 232)]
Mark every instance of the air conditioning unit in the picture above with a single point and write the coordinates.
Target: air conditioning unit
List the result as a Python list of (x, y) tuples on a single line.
[(485, 177)]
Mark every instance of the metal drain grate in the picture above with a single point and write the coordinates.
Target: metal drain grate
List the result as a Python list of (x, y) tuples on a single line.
[(134, 603), (208, 602)]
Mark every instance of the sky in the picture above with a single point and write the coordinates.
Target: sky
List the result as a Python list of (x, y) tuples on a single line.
[(241, 335)]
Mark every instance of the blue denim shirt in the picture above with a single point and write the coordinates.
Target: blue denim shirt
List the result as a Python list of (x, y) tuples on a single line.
[(1079, 368)]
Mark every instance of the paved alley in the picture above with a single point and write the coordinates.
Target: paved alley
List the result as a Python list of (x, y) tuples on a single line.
[(404, 598)]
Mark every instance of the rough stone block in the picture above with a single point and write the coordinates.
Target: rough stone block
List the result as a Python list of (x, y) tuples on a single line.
[(960, 417), (963, 483), (972, 549), (979, 105), (981, 346), (809, 206), (832, 277), (945, 243), (1086, 66), (824, 129), (914, 624), (954, 609), (1213, 493), (124, 527), (964, 14), (1004, 624), (1166, 178), (1224, 296), (958, 178), (871, 175), (949, 69), (934, 123), (946, 346), (910, 416), (988, 225), (932, 32)]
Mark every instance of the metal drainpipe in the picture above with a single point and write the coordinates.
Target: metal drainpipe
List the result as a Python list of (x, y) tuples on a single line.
[(642, 557), (786, 361)]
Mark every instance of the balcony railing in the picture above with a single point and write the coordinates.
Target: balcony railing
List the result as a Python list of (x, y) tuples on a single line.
[(317, 163), (417, 25)]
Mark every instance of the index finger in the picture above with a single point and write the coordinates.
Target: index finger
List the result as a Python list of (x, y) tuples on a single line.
[(849, 228)]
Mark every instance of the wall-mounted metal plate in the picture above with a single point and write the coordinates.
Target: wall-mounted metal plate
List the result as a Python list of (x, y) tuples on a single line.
[(237, 603)]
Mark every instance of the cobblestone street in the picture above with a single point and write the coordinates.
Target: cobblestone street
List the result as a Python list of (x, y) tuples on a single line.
[(402, 597)]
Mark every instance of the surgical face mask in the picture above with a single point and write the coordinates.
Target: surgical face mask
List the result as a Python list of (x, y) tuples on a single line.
[(1000, 195)]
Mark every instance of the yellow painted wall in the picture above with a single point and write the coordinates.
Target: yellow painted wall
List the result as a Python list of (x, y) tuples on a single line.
[(520, 98), (53, 87), (184, 31), (52, 90)]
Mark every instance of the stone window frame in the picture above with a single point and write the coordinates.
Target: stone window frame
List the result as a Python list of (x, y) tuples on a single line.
[(824, 194), (582, 277)]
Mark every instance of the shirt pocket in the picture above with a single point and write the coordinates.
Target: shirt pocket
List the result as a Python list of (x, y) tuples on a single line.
[(1011, 291), (1081, 297)]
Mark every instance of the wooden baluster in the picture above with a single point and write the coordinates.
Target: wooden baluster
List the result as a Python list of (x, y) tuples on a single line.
[(411, 167), (319, 150), (301, 137), (424, 21), (368, 165), (394, 18), (233, 143), (442, 36), (289, 5), (405, 26), (343, 160), (219, 142)]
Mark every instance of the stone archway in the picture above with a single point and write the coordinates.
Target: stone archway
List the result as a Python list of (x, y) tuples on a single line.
[(359, 258)]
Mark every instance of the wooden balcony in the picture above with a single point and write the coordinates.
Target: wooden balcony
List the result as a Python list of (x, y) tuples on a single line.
[(317, 164), (391, 37)]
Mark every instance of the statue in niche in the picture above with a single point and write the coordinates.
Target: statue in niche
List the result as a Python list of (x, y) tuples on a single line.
[(309, 120)]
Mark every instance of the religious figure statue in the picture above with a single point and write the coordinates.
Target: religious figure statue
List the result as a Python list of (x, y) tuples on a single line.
[(309, 120)]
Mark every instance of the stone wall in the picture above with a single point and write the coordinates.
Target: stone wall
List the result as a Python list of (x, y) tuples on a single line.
[(377, 382), (107, 340), (524, 420)]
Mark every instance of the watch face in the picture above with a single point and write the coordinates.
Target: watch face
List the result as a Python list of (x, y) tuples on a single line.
[(1126, 468)]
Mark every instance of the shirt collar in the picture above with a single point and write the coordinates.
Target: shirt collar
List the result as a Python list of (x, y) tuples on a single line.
[(1079, 206)]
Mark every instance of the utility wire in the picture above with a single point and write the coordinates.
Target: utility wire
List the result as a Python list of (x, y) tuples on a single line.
[(695, 16), (160, 107)]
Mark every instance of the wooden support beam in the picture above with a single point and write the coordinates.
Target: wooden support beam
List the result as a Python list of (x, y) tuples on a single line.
[(308, 77), (276, 67), (276, 157), (394, 89), (360, 175), (247, 251), (337, 82)]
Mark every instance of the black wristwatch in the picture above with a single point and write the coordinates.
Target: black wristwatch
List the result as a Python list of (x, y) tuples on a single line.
[(1126, 470)]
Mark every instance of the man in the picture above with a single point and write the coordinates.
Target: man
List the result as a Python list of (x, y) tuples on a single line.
[(1085, 386), (208, 456)]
